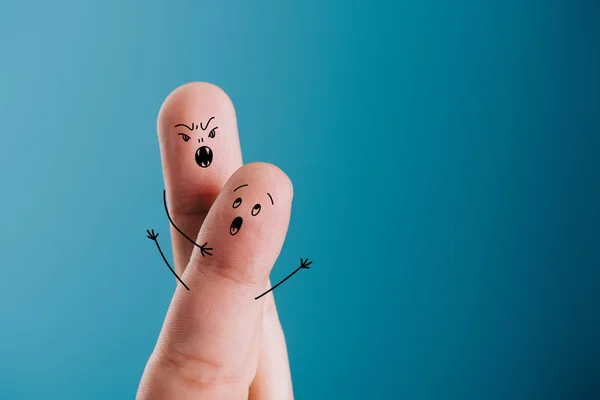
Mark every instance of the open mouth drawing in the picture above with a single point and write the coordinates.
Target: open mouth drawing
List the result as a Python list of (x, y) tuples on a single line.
[(204, 156), (236, 225)]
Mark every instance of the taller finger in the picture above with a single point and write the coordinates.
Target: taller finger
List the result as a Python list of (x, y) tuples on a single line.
[(200, 150)]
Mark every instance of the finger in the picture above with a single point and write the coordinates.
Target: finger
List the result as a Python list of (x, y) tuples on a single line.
[(200, 150), (210, 341), (273, 380)]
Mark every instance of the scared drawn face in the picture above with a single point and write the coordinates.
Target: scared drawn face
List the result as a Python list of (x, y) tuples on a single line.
[(238, 221)]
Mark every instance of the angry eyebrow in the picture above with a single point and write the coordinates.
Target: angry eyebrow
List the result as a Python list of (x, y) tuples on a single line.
[(271, 198), (191, 129), (208, 122), (239, 187)]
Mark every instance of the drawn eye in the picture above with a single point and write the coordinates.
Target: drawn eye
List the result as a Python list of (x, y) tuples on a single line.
[(237, 202), (212, 133), (184, 136), (255, 209)]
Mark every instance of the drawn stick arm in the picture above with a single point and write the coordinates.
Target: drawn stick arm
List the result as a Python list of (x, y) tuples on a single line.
[(303, 265), (175, 226), (154, 237)]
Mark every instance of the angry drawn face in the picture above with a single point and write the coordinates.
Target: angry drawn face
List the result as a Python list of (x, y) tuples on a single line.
[(238, 203), (204, 154)]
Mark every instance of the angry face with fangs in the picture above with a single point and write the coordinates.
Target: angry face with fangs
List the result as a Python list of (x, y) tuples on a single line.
[(204, 154)]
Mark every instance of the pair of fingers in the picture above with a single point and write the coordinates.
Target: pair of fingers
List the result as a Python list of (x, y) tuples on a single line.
[(218, 341)]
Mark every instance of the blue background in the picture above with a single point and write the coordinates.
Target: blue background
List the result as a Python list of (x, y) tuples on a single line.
[(446, 173)]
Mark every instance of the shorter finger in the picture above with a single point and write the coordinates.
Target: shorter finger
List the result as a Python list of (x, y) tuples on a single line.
[(210, 341)]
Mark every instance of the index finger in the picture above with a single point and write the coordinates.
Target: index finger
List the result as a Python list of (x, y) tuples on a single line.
[(200, 150)]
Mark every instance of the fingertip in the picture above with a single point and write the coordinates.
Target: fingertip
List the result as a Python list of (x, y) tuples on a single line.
[(269, 175), (248, 222), (189, 95), (199, 145)]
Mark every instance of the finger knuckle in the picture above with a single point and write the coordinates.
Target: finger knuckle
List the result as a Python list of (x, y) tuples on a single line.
[(197, 371)]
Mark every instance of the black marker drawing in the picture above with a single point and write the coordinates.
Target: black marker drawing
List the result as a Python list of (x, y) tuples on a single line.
[(236, 225), (203, 248), (191, 129), (208, 122), (204, 158), (154, 237), (204, 154), (237, 222), (303, 265)]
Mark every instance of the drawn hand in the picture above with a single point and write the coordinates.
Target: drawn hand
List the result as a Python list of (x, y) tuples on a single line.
[(217, 341), (205, 250), (305, 264), (152, 235)]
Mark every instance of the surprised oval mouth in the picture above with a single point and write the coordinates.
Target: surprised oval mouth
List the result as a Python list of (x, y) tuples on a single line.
[(236, 225), (204, 156)]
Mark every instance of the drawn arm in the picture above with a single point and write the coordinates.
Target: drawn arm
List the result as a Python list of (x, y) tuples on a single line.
[(153, 236), (203, 248), (303, 265)]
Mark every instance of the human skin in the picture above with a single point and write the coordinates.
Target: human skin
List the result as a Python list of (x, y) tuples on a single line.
[(217, 341)]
